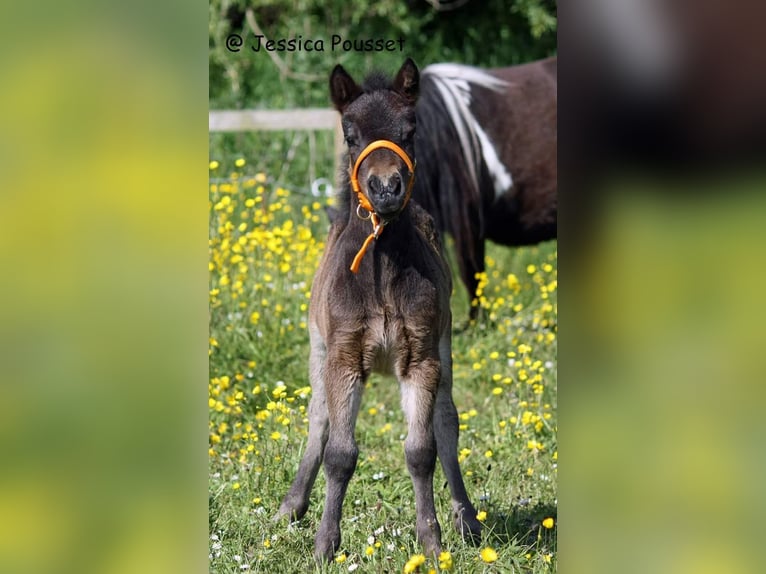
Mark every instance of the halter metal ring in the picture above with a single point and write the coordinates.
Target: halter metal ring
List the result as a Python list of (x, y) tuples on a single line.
[(360, 216)]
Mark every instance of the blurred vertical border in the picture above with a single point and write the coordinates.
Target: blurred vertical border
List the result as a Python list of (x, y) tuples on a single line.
[(103, 322), (662, 233)]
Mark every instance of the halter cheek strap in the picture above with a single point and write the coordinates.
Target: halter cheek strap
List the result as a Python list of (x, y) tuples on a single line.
[(364, 201)]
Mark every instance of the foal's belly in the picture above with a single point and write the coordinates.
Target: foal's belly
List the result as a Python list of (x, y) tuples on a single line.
[(382, 345)]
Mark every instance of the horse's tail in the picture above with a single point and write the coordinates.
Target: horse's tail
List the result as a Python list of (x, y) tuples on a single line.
[(453, 151)]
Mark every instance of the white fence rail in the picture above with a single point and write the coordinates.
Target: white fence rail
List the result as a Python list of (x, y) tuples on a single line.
[(302, 119)]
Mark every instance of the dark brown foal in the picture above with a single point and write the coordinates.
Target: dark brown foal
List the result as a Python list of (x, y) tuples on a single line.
[(390, 314)]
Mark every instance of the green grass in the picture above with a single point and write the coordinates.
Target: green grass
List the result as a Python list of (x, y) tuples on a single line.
[(505, 390)]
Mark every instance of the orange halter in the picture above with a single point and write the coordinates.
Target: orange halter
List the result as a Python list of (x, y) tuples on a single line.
[(364, 202)]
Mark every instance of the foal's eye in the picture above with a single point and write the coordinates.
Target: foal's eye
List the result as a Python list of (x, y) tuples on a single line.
[(350, 141)]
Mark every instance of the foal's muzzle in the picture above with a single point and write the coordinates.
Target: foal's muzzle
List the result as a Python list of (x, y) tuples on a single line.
[(386, 196)]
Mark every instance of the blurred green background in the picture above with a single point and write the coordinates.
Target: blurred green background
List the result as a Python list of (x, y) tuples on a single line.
[(103, 321), (661, 376), (103, 313)]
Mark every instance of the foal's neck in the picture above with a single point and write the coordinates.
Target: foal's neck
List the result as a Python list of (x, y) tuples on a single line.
[(398, 231)]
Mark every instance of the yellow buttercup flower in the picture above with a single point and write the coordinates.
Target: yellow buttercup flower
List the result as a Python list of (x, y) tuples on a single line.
[(414, 563), (445, 561), (548, 523), (488, 555)]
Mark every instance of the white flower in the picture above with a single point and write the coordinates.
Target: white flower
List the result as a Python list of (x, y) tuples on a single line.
[(237, 558), (352, 567)]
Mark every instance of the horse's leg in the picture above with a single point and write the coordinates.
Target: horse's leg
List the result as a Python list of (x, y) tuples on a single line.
[(446, 430), (296, 501), (470, 252), (344, 393), (418, 394)]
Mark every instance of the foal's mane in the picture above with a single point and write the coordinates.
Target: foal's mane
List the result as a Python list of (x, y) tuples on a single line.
[(376, 80)]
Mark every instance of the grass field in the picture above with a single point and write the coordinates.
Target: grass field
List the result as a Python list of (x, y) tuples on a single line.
[(264, 248)]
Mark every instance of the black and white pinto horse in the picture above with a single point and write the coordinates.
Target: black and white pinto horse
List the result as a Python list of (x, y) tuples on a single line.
[(486, 147)]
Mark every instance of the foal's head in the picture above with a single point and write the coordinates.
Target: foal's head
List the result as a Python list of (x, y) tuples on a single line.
[(379, 110)]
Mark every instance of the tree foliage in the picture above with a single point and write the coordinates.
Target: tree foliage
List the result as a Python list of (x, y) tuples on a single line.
[(483, 33)]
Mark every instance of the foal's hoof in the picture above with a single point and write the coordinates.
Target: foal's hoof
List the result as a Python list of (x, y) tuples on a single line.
[(469, 528), (290, 510), (326, 543), (429, 534)]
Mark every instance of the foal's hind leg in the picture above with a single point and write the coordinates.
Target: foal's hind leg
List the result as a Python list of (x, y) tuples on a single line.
[(418, 393), (446, 430), (296, 501), (344, 392)]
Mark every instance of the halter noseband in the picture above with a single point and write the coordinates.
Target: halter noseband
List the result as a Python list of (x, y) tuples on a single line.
[(364, 201)]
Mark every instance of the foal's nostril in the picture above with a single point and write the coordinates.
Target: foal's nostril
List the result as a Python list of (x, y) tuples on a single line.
[(374, 184), (395, 184), (390, 186)]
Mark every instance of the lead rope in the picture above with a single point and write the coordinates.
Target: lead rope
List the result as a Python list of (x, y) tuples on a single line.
[(377, 229)]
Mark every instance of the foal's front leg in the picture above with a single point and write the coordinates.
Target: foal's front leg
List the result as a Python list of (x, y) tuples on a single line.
[(419, 389), (446, 429), (344, 392)]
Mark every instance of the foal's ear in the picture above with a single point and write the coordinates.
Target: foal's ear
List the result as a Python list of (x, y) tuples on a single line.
[(407, 80), (343, 88)]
